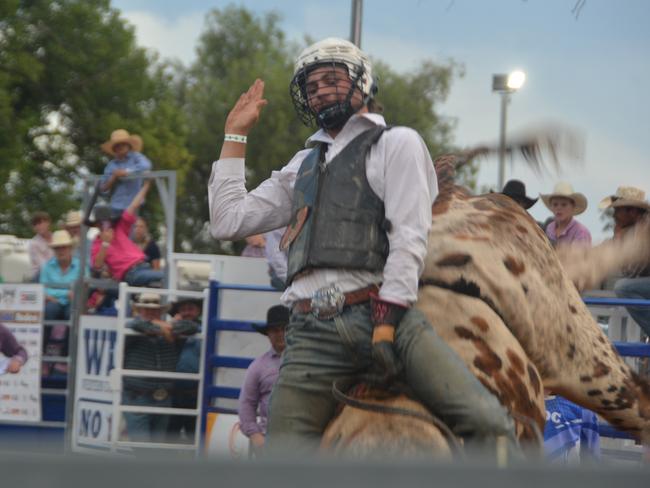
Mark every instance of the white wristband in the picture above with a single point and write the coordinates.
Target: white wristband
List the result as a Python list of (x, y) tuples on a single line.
[(235, 138)]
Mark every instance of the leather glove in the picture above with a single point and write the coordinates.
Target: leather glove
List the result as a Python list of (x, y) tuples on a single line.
[(386, 366)]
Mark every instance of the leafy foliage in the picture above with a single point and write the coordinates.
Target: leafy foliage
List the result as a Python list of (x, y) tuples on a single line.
[(237, 48), (71, 72)]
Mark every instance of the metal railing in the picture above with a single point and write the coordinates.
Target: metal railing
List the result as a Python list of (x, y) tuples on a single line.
[(213, 391), (625, 349), (119, 372)]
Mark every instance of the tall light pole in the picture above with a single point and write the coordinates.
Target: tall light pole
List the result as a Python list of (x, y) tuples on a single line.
[(355, 22), (505, 85)]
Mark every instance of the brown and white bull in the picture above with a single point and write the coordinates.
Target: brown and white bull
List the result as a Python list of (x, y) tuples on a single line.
[(496, 291)]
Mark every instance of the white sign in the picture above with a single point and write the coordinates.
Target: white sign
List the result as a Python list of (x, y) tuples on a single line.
[(93, 411), (21, 311), (224, 439)]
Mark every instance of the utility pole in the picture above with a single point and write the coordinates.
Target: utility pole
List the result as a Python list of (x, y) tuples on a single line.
[(355, 24)]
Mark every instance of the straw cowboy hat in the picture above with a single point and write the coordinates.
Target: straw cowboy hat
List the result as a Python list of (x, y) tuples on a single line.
[(61, 238), (73, 218), (277, 315), (148, 300), (516, 190), (626, 196), (565, 190), (122, 136)]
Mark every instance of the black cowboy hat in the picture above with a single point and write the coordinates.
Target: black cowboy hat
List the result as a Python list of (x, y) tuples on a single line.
[(278, 315), (516, 190), (177, 304)]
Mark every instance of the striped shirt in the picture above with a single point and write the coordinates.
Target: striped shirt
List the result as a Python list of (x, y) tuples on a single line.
[(152, 352)]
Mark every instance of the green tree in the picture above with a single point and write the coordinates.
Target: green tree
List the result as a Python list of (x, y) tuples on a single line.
[(235, 49), (238, 47), (70, 73)]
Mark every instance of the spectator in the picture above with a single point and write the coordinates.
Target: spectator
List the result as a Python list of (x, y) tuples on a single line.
[(39, 245), (566, 204), (144, 241), (268, 246), (571, 432), (15, 353), (255, 247), (261, 376), (185, 392), (631, 207), (125, 149), (516, 190), (73, 225), (62, 269), (277, 258), (155, 348), (112, 247)]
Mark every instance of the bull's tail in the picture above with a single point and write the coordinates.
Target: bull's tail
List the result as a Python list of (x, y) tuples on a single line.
[(587, 267), (540, 149)]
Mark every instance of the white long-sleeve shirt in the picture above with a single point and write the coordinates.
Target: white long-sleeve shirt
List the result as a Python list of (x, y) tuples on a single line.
[(399, 170)]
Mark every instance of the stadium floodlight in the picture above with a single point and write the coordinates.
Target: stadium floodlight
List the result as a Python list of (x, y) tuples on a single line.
[(505, 85)]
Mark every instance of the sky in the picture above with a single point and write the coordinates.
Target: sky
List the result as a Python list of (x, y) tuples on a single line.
[(590, 72)]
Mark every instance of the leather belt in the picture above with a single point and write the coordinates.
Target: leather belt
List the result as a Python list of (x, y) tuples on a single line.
[(350, 298)]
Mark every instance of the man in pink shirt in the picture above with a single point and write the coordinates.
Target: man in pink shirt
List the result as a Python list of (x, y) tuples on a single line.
[(113, 247)]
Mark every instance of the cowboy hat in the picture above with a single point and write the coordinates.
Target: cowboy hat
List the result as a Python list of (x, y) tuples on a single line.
[(516, 190), (120, 136), (174, 309), (278, 315), (73, 218), (565, 190), (626, 196), (148, 300), (61, 238)]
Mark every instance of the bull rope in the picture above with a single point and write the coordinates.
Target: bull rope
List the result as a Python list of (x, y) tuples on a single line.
[(451, 438)]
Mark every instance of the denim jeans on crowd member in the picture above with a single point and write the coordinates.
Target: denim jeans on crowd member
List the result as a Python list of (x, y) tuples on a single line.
[(57, 311), (320, 352), (142, 275), (636, 288), (145, 427)]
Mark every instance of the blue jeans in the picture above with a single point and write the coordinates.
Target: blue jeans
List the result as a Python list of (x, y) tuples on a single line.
[(319, 352), (636, 288), (142, 275), (145, 427), (56, 311)]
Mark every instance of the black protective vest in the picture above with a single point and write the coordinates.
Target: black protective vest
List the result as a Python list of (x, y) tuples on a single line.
[(337, 220)]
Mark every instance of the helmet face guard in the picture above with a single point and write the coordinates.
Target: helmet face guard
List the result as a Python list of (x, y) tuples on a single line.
[(347, 70), (333, 115)]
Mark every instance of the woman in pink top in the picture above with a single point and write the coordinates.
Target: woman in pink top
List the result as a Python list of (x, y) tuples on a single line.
[(565, 204), (113, 247)]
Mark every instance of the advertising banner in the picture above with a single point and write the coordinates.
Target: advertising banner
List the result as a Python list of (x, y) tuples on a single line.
[(93, 393), (21, 313)]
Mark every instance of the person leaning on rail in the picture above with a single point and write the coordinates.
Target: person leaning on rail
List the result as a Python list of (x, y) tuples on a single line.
[(630, 208), (156, 347)]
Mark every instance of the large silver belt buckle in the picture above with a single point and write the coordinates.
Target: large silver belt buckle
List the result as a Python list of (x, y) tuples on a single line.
[(160, 394), (327, 302)]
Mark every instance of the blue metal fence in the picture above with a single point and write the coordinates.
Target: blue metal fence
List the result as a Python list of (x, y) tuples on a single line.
[(215, 325), (54, 403)]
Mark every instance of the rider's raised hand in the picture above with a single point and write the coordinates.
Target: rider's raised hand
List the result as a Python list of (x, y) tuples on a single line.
[(246, 112)]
